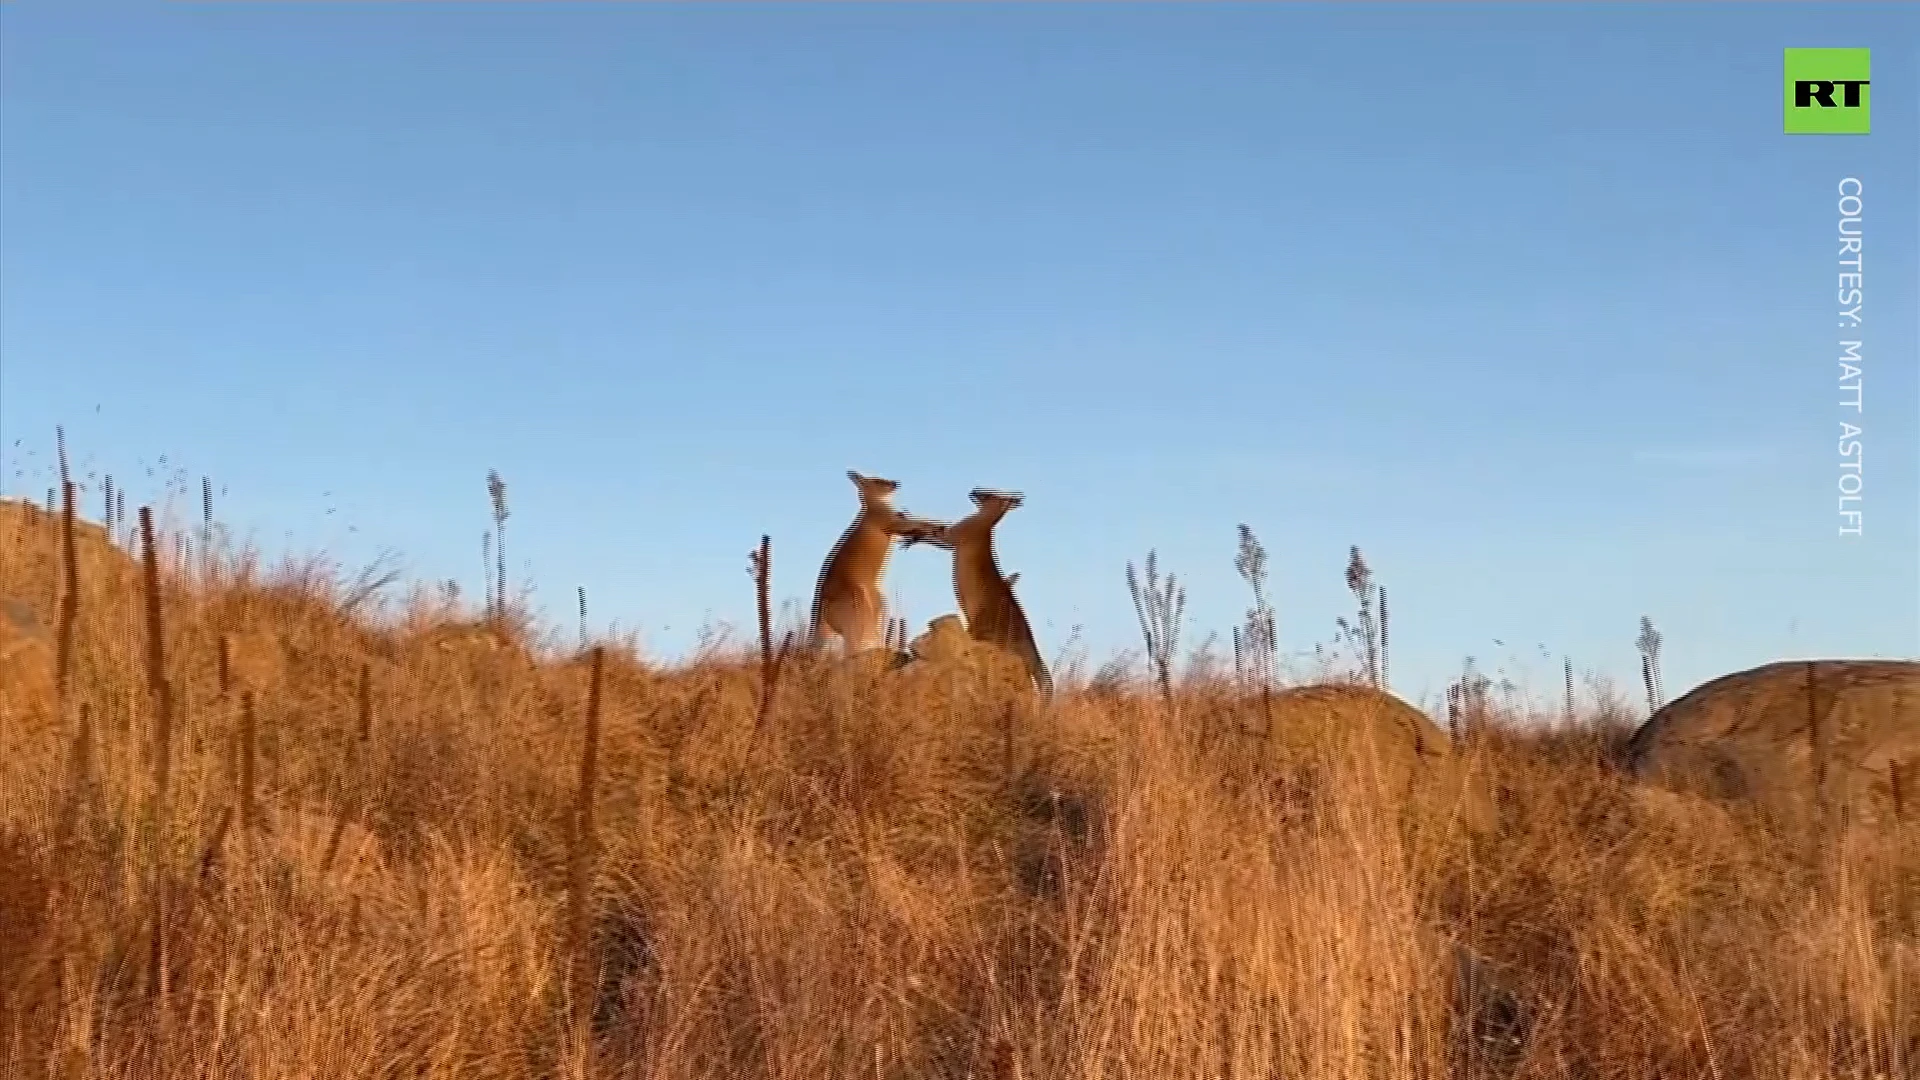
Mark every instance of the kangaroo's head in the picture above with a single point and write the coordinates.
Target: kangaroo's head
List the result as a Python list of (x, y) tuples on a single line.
[(977, 528), (994, 504), (875, 493), (877, 509)]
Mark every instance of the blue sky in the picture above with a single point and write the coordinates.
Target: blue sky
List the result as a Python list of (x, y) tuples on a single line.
[(1535, 305)]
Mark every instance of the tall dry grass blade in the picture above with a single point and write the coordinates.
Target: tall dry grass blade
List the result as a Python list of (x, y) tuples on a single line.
[(1360, 583), (159, 694), (363, 704), (763, 601), (497, 494), (79, 786), (762, 570), (581, 849), (1817, 753), (1260, 644), (207, 562), (351, 803), (1381, 681), (162, 702), (788, 643), (1160, 609), (334, 836), (249, 816), (223, 666), (1649, 645), (210, 854), (69, 593), (1009, 730), (1003, 1067), (159, 985), (583, 618), (486, 573)]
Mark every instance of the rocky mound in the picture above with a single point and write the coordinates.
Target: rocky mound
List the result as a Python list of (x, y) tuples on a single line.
[(1782, 733), (945, 642), (1361, 713), (947, 646), (949, 666)]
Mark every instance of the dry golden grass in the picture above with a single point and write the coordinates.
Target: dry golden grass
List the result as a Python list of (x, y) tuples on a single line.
[(361, 866)]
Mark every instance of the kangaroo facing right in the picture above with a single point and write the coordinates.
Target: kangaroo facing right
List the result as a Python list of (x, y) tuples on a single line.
[(848, 602), (986, 597)]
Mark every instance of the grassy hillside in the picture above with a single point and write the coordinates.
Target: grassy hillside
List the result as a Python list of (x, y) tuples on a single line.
[(334, 837)]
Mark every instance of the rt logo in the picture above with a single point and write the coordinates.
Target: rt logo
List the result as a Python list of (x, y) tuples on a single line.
[(1827, 92)]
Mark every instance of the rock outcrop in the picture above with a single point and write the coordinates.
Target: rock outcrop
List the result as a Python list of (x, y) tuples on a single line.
[(1789, 735), (1391, 725)]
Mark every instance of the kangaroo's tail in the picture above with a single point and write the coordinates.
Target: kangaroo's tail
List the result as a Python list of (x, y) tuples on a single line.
[(1037, 667)]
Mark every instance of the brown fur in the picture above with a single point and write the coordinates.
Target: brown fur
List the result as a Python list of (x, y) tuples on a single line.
[(986, 595), (848, 601)]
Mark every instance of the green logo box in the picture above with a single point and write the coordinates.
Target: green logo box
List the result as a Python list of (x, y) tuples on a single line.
[(1827, 92)]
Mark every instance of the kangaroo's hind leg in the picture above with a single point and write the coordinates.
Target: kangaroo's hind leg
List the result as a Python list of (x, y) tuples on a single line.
[(855, 619)]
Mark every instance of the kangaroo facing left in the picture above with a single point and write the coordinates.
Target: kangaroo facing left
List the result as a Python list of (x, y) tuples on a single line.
[(986, 598), (848, 602)]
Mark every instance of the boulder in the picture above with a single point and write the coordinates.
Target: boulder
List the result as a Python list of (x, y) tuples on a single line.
[(948, 666), (945, 642), (1782, 734), (946, 646), (1361, 713)]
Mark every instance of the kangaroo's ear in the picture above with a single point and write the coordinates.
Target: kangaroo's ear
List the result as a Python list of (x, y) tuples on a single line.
[(854, 476), (1013, 577), (979, 496)]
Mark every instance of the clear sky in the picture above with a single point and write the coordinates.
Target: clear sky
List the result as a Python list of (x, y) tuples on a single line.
[(1534, 304)]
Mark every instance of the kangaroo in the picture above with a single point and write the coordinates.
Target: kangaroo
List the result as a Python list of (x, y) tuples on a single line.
[(847, 601), (986, 597)]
